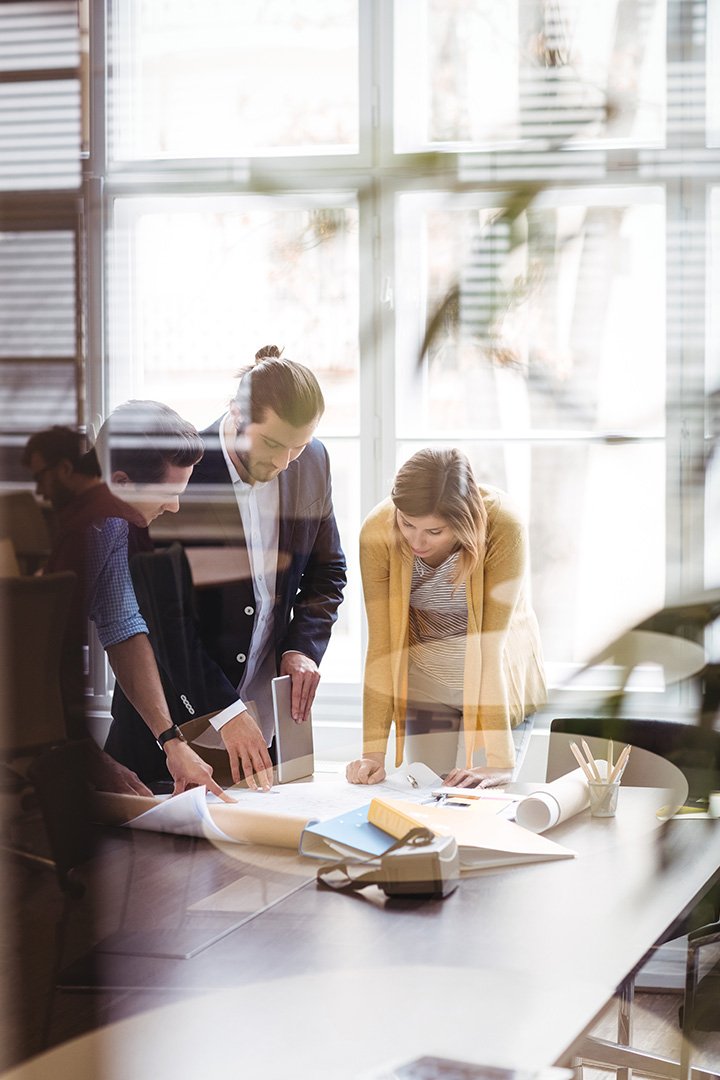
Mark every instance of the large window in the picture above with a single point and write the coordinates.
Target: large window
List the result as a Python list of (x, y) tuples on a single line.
[(481, 224)]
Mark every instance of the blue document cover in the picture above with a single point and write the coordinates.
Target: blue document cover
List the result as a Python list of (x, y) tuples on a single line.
[(347, 834)]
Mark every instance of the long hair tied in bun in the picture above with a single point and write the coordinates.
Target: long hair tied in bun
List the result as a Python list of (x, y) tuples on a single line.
[(274, 382)]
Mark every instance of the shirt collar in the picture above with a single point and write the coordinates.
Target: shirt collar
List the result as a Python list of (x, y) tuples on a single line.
[(234, 474)]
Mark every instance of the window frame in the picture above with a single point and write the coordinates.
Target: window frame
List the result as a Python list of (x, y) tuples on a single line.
[(377, 174)]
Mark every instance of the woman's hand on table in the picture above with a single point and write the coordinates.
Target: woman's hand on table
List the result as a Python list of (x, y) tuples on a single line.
[(366, 770), (478, 777)]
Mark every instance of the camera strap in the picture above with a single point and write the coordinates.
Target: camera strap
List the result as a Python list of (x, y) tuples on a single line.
[(346, 875)]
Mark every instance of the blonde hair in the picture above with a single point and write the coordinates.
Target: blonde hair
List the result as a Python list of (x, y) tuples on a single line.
[(441, 483)]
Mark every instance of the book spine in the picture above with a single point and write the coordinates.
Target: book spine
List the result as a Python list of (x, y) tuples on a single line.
[(391, 820)]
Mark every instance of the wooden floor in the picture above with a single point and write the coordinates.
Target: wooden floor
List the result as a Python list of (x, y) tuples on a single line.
[(656, 1030)]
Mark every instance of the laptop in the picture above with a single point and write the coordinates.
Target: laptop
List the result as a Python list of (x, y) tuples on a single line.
[(293, 742)]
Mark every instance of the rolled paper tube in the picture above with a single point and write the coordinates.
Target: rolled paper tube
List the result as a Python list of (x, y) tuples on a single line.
[(239, 824), (562, 799), (246, 826), (539, 811)]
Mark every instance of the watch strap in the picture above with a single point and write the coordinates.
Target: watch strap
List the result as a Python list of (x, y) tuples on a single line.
[(173, 732)]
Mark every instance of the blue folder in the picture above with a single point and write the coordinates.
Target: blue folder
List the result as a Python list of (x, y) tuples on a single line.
[(347, 834)]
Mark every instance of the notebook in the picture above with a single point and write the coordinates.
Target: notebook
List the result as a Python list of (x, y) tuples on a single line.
[(348, 834)]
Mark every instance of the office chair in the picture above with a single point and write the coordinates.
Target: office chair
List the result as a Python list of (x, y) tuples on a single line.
[(60, 784), (696, 753), (22, 522), (693, 750), (33, 614), (8, 560), (697, 939)]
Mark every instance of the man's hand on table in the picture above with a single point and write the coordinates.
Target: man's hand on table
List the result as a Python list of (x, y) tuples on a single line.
[(305, 678), (107, 774), (188, 770), (249, 758)]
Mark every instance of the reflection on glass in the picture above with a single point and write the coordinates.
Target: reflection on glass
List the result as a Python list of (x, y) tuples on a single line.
[(712, 70), (597, 532), (199, 284), (342, 660), (558, 322), (225, 78), (474, 72), (712, 387)]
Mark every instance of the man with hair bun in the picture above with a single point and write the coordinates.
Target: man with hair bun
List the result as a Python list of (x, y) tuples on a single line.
[(263, 490)]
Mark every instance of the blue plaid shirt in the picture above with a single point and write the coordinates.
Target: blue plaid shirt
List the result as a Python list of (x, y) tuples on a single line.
[(110, 595)]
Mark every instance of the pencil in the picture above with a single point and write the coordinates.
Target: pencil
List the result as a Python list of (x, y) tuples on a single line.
[(608, 774), (620, 765), (581, 762), (619, 776), (591, 762)]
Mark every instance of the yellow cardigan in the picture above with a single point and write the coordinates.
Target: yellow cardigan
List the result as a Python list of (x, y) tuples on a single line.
[(503, 679)]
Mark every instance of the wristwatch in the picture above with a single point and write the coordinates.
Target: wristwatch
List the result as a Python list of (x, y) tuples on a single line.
[(173, 732)]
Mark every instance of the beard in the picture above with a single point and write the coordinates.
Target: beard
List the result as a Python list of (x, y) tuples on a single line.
[(60, 497)]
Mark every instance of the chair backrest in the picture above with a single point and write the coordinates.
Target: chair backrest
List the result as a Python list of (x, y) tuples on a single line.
[(60, 778), (8, 560), (693, 750), (22, 521), (33, 615)]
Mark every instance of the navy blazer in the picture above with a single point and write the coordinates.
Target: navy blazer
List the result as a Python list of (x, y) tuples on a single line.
[(192, 682), (311, 571)]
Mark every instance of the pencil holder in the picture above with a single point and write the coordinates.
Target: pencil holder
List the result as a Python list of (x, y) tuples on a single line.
[(603, 798)]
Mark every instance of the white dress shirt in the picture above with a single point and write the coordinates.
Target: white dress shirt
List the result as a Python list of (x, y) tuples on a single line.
[(259, 506)]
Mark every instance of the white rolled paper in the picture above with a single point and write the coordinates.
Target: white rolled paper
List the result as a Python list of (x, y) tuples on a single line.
[(557, 801)]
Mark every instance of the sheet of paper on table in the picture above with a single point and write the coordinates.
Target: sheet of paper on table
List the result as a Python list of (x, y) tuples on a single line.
[(275, 817)]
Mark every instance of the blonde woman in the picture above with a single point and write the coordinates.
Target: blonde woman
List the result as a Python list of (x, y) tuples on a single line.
[(454, 656)]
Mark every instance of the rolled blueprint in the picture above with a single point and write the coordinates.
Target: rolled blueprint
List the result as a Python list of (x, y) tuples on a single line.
[(556, 802)]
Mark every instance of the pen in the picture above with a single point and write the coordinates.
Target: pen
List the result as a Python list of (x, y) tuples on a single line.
[(682, 811), (581, 762), (476, 793), (591, 763)]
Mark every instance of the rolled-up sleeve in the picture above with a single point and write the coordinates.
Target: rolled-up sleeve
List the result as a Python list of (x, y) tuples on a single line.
[(111, 602)]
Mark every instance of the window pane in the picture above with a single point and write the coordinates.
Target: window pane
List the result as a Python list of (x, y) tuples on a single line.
[(476, 72), (557, 321), (199, 284), (228, 79), (596, 516)]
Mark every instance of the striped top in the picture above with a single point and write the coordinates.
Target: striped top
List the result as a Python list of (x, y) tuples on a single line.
[(438, 622)]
